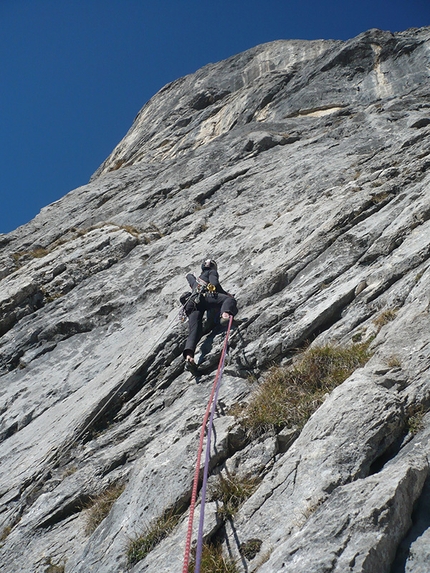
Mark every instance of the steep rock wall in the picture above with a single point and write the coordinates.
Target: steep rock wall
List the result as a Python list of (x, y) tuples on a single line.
[(302, 167)]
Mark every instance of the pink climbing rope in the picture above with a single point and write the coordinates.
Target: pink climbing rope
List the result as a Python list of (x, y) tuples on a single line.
[(211, 406), (199, 546)]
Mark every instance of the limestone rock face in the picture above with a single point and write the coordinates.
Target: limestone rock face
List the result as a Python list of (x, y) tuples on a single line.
[(303, 169)]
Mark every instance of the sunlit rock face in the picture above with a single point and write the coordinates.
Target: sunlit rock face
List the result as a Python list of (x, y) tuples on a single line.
[(303, 169)]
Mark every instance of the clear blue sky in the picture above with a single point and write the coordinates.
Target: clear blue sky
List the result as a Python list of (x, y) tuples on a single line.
[(74, 73)]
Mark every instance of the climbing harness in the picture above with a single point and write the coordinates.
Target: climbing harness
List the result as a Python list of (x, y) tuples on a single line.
[(200, 289), (210, 410)]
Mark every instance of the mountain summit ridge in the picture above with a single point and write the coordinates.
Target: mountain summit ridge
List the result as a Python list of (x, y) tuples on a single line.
[(303, 169)]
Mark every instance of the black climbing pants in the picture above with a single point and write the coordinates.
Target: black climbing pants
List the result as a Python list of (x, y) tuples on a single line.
[(216, 303)]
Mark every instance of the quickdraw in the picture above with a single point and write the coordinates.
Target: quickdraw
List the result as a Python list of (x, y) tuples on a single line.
[(200, 289)]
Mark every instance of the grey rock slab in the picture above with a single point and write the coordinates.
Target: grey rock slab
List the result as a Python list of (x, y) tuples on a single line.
[(205, 99), (379, 506), (152, 481), (413, 553), (337, 451), (406, 386), (303, 169)]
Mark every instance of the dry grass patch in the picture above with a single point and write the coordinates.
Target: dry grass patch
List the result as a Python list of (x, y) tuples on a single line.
[(5, 533), (131, 230), (52, 567), (232, 491), (394, 361), (213, 561), (289, 396), (385, 317), (36, 253), (143, 544), (415, 420), (39, 252), (100, 507)]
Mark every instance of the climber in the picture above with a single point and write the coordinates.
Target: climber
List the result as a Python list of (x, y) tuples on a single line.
[(207, 296)]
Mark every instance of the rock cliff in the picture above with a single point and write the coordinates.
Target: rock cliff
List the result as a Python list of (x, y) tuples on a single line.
[(303, 168)]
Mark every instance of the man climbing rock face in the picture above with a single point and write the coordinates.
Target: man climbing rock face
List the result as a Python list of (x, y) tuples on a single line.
[(207, 296)]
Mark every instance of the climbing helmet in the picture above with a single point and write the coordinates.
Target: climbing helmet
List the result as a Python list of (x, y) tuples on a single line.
[(209, 264)]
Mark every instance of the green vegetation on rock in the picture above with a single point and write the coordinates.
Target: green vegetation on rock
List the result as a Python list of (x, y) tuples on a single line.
[(288, 396)]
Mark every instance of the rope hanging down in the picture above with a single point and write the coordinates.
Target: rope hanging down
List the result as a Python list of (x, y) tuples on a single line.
[(210, 409)]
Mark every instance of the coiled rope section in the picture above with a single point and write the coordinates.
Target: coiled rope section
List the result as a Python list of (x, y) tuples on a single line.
[(210, 410)]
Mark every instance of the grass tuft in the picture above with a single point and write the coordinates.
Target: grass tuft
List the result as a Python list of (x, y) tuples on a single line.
[(100, 507), (394, 361), (232, 491), (52, 567), (139, 547), (250, 548), (415, 420), (289, 396), (213, 561), (385, 317), (39, 252), (5, 533), (131, 230)]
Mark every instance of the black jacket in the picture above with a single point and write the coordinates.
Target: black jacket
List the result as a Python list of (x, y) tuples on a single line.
[(208, 276)]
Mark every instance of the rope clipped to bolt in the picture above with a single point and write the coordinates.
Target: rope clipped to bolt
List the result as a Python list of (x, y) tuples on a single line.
[(210, 410)]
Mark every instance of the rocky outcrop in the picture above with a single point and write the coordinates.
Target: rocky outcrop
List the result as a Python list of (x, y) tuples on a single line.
[(303, 168)]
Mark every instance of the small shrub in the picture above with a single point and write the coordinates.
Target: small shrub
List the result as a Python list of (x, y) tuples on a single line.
[(213, 561), (139, 547), (289, 396), (101, 506), (232, 491)]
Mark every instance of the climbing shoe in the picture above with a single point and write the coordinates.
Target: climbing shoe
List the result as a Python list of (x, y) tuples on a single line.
[(191, 367), (225, 319)]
